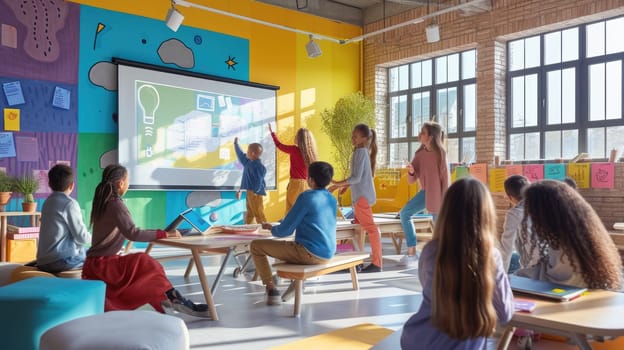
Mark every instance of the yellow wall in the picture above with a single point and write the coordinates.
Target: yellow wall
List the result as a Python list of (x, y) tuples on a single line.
[(277, 57)]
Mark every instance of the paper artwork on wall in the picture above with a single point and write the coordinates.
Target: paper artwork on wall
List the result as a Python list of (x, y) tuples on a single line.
[(580, 173), (554, 171), (479, 171), (13, 93), (11, 119), (497, 179), (27, 149), (534, 172), (602, 175), (7, 145), (42, 177), (62, 98), (513, 169), (9, 36)]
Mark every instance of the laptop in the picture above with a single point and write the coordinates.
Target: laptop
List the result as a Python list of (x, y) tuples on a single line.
[(347, 213), (199, 226), (545, 289)]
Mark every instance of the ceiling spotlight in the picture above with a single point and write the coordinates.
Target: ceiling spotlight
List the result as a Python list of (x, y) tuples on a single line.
[(313, 48), (433, 33), (174, 18)]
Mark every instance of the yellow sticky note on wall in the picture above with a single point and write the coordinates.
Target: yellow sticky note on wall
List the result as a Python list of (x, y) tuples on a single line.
[(11, 119), (580, 173)]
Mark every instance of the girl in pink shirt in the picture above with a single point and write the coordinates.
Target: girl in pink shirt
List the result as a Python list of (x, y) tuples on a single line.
[(429, 167)]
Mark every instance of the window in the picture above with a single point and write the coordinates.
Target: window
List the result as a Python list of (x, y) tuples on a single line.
[(443, 88), (565, 92)]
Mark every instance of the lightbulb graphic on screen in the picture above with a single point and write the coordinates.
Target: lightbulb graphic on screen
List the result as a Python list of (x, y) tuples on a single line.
[(148, 100)]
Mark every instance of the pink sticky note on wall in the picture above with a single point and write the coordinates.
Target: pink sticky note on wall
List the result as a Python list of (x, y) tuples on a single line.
[(602, 175), (534, 172)]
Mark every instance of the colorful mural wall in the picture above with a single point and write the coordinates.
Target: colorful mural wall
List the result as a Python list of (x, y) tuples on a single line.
[(59, 63)]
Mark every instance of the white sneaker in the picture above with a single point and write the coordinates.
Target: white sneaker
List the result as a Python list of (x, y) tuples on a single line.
[(410, 261)]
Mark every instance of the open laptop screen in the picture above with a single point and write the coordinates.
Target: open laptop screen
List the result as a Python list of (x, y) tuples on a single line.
[(198, 224)]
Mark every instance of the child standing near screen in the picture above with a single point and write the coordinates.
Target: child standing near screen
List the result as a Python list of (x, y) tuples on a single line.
[(302, 154), (363, 194), (252, 181)]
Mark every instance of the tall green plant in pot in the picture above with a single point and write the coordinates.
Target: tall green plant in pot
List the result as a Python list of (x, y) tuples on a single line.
[(338, 124), (27, 186), (6, 188)]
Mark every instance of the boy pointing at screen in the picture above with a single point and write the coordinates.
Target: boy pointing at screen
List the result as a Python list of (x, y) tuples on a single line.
[(252, 181)]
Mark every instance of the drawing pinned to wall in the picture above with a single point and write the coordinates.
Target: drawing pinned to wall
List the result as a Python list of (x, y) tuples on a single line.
[(9, 36), (7, 145), (231, 62), (513, 169), (554, 171), (61, 98), (175, 52), (602, 175), (534, 172), (104, 74), (13, 93), (98, 29), (42, 177), (497, 179), (479, 171), (27, 148), (580, 173), (11, 119)]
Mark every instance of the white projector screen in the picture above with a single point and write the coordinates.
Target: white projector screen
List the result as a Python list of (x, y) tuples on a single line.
[(177, 128)]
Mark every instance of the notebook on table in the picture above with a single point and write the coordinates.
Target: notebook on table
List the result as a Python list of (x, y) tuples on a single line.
[(545, 289), (199, 226)]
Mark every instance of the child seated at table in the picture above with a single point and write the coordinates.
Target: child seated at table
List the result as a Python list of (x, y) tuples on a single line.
[(465, 287), (313, 217), (574, 246), (63, 235)]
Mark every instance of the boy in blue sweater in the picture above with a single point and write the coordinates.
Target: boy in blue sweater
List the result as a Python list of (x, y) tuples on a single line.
[(313, 217), (252, 181)]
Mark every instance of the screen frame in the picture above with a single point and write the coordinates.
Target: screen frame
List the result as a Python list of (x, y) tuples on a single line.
[(125, 148)]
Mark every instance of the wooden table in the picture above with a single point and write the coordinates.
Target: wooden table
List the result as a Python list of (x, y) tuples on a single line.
[(212, 243), (34, 221), (598, 313)]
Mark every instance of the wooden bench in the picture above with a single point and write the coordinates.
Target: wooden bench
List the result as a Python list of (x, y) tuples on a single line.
[(299, 273), (424, 232)]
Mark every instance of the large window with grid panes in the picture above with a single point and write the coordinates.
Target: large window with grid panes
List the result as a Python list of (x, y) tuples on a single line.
[(565, 92), (443, 89)]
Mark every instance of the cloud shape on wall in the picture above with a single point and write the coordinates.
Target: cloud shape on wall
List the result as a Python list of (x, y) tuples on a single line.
[(203, 198), (104, 74), (174, 51)]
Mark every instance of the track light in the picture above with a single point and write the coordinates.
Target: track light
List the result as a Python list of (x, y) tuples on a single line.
[(313, 48), (174, 18), (433, 33)]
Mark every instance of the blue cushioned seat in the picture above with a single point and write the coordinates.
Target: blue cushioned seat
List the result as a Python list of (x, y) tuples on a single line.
[(32, 306)]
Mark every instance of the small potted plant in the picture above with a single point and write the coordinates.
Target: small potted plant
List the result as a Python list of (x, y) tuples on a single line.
[(27, 186), (6, 188)]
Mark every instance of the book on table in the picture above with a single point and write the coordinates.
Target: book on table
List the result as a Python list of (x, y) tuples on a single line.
[(22, 229), (545, 289)]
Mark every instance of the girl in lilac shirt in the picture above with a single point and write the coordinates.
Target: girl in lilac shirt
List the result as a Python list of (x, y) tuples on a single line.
[(465, 287)]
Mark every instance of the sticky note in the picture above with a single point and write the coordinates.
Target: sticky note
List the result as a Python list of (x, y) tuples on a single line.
[(13, 93), (602, 175), (61, 98), (11, 119)]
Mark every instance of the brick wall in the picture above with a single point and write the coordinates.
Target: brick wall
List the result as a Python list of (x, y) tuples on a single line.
[(488, 33)]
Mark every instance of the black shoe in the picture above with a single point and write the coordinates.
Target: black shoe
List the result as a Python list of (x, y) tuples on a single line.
[(371, 268), (273, 297), (184, 305)]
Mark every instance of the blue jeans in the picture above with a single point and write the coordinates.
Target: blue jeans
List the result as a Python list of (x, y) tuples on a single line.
[(413, 206), (69, 263)]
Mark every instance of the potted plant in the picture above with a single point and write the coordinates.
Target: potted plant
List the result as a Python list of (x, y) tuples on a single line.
[(338, 124), (6, 188), (27, 186)]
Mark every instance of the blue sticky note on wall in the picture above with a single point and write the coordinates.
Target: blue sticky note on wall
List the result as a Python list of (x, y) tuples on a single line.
[(13, 93), (61, 98), (7, 145), (554, 171)]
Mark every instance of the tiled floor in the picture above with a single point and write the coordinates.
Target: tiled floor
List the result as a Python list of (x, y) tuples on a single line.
[(246, 322)]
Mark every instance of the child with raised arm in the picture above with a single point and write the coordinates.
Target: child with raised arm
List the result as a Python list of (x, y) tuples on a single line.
[(363, 194), (62, 235), (465, 287), (132, 280), (302, 154), (574, 246), (313, 219), (252, 181), (430, 168)]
